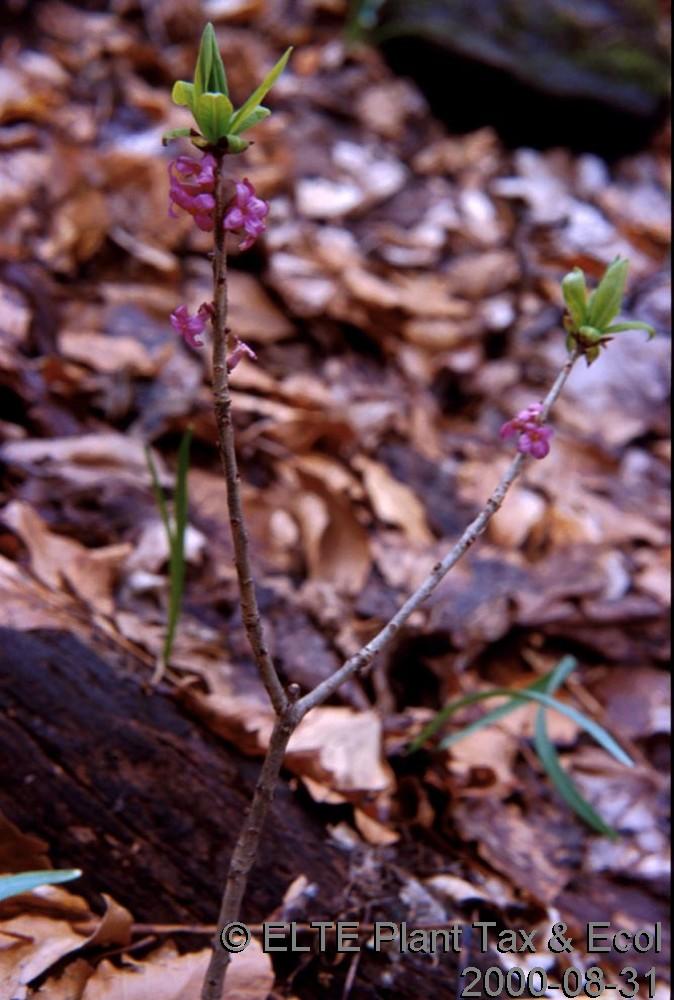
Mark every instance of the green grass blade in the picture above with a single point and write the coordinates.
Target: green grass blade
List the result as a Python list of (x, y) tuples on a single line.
[(591, 727), (159, 494), (177, 545), (14, 885), (550, 760), (497, 713)]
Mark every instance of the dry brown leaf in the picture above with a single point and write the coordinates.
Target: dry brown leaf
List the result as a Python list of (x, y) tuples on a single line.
[(246, 720), (26, 604), (86, 458), (68, 986), (335, 544), (167, 975), (342, 749), (109, 354), (115, 925), (374, 832), (56, 560), (31, 944), (393, 501)]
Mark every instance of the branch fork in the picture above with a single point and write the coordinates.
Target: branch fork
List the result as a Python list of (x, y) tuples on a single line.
[(289, 708)]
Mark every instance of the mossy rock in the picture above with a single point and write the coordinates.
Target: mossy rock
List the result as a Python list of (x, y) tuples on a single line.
[(610, 52)]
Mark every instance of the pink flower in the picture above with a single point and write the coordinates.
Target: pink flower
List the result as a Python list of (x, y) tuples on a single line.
[(192, 183), (190, 327), (240, 350), (246, 212), (534, 438)]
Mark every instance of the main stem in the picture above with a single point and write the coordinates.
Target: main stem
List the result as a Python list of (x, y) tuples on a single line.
[(245, 852), (223, 417)]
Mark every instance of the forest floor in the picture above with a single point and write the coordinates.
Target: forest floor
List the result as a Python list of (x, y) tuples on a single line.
[(404, 302)]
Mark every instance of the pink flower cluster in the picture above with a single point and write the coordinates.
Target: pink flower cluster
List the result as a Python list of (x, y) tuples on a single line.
[(534, 438), (191, 327), (192, 183), (192, 187), (246, 212)]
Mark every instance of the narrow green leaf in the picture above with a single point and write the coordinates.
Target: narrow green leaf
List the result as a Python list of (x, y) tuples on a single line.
[(218, 79), (159, 495), (175, 133), (486, 720), (550, 760), (575, 296), (14, 885), (183, 94), (589, 725), (177, 545), (202, 70), (256, 116), (497, 713), (257, 96), (631, 325), (605, 302)]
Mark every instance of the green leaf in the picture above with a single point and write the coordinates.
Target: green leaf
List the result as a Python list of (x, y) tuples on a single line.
[(213, 113), (633, 325), (550, 761), (589, 725), (202, 69), (175, 133), (257, 96), (486, 720), (183, 94), (218, 80), (177, 545), (14, 885), (158, 494), (209, 72), (256, 116), (575, 296), (605, 302)]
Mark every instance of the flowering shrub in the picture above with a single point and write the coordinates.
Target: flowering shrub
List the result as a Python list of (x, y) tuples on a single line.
[(221, 204)]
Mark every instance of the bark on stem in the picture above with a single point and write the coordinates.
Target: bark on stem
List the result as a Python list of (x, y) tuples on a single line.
[(245, 851), (223, 417)]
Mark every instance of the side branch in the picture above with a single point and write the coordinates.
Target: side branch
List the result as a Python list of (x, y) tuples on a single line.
[(364, 657), (223, 417)]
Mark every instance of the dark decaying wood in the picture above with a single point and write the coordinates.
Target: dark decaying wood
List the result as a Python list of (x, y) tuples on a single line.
[(120, 783), (123, 785)]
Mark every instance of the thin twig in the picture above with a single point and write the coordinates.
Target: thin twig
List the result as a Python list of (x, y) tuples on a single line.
[(223, 417), (291, 711), (364, 657)]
